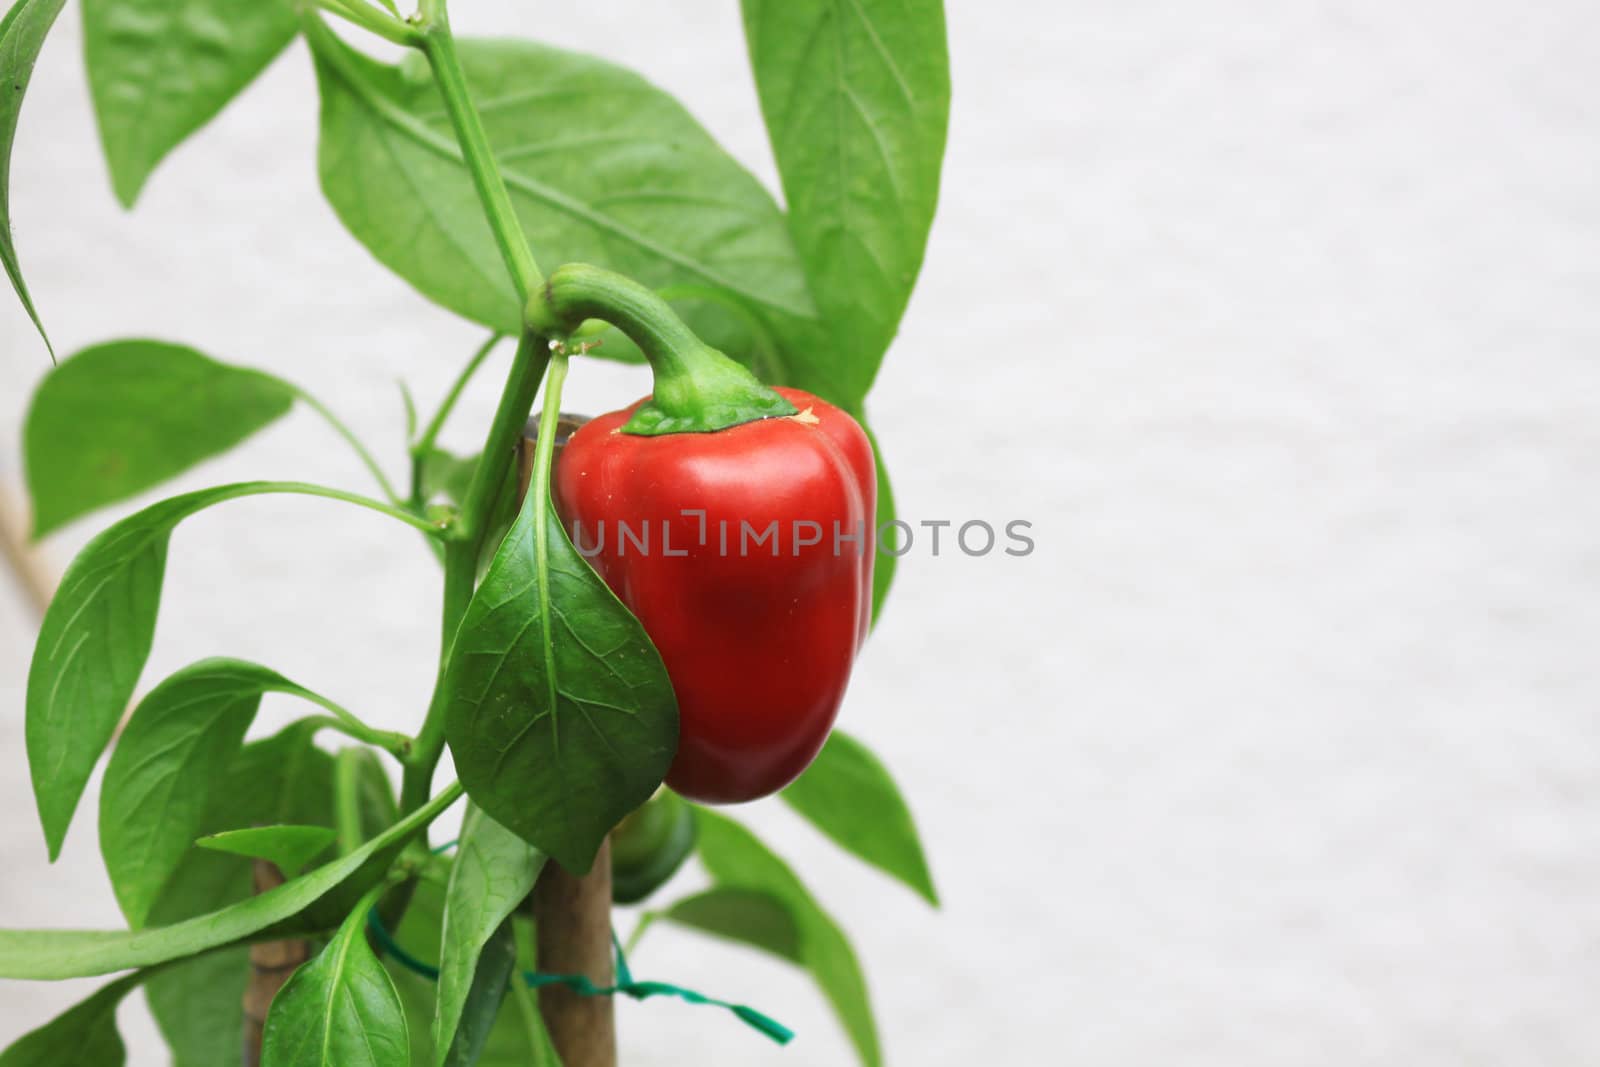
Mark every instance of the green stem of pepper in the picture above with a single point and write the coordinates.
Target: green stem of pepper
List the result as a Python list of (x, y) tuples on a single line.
[(527, 368), (425, 443), (544, 453), (346, 799), (385, 25), (367, 458), (439, 46), (697, 388), (462, 553)]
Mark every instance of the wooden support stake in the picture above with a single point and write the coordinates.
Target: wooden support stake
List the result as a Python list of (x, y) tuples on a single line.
[(573, 929), (572, 914), (271, 964), (34, 575)]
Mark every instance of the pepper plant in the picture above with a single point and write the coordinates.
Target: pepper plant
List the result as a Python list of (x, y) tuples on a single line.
[(308, 918)]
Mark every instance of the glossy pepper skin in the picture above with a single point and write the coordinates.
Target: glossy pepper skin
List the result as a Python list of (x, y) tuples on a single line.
[(758, 645)]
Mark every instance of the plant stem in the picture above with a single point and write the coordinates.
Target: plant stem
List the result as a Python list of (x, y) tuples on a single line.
[(370, 18), (307, 489), (431, 433), (522, 383), (439, 47), (347, 799), (396, 744), (348, 434), (540, 485), (697, 388), (417, 781), (461, 555), (571, 912), (578, 291)]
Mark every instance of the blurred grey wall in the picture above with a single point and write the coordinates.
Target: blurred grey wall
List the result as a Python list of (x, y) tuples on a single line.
[(1279, 323)]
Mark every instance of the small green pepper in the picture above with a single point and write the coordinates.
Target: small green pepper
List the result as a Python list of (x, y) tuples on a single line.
[(649, 846)]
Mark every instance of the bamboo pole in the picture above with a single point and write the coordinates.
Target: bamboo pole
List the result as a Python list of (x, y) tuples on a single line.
[(34, 574), (271, 964), (572, 917), (572, 914)]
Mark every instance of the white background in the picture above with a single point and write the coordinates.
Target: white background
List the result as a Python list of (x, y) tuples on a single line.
[(1279, 322)]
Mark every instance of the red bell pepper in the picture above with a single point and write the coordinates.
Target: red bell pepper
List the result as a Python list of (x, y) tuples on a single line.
[(746, 553)]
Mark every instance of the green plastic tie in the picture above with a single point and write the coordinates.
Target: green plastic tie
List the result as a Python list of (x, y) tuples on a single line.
[(580, 984)]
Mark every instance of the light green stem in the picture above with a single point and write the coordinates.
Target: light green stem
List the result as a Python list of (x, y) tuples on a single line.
[(697, 388), (243, 489), (439, 46), (347, 799), (431, 433), (433, 37), (350, 437), (370, 18), (544, 453), (397, 745), (462, 554)]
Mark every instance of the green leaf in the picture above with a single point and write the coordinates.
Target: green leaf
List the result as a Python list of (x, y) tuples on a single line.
[(365, 797), (161, 69), (22, 34), (518, 1038), (339, 1010), (305, 904), (410, 404), (447, 475), (118, 418), (92, 645), (884, 564), (856, 98), (491, 976), (198, 1003), (602, 167), (96, 637), (85, 1035), (289, 847), (736, 859), (848, 795), (561, 716), (418, 933), (494, 870), (169, 766), (749, 916)]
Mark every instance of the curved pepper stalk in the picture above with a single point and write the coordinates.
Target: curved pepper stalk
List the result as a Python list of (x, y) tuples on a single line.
[(697, 388)]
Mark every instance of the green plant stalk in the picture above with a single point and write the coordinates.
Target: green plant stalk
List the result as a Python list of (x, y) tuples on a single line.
[(766, 360), (396, 744), (243, 489), (697, 388), (424, 443), (370, 18), (421, 446), (339, 427), (543, 454), (439, 46), (516, 400), (462, 554), (346, 800)]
